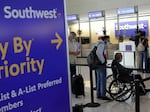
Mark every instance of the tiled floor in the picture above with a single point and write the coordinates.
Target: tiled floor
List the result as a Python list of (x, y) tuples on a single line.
[(111, 106)]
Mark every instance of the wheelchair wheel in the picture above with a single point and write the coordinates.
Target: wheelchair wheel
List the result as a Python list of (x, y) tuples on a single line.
[(120, 91), (109, 79)]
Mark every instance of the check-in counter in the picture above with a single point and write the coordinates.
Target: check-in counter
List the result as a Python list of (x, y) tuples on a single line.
[(128, 51)]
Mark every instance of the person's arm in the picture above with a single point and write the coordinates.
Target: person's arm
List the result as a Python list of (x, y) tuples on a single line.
[(100, 53), (132, 38), (135, 39), (77, 51), (123, 69), (146, 43)]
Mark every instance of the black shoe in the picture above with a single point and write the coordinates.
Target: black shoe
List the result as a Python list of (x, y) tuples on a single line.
[(94, 88), (103, 98), (99, 97), (147, 71), (142, 94), (147, 90)]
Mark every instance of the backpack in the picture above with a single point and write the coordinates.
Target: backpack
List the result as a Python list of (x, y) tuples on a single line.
[(92, 59)]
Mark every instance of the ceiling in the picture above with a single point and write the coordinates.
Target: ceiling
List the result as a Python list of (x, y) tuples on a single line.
[(82, 7)]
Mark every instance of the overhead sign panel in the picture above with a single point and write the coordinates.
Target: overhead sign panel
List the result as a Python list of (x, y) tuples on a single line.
[(128, 29), (33, 57), (95, 14), (128, 10), (72, 17)]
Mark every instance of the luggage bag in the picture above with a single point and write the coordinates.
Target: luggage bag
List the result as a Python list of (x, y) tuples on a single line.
[(78, 85), (78, 82)]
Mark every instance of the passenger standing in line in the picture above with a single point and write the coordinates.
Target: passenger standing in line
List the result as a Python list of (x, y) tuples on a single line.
[(142, 48), (99, 37), (136, 39), (74, 51), (141, 43), (101, 69)]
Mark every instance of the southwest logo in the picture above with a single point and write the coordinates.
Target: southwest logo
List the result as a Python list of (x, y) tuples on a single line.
[(29, 13)]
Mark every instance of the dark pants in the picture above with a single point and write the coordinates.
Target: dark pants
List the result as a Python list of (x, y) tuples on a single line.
[(72, 72), (72, 69), (143, 57), (101, 80)]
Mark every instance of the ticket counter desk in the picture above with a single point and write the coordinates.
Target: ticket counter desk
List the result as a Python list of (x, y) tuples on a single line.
[(128, 52)]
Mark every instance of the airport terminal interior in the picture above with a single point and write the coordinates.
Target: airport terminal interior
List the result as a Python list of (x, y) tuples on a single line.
[(116, 18), (109, 106), (35, 55)]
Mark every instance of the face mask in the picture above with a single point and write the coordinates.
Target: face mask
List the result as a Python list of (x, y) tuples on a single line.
[(120, 60), (107, 43), (74, 40)]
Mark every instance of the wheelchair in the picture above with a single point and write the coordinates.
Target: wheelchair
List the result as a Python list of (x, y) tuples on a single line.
[(109, 79), (119, 90)]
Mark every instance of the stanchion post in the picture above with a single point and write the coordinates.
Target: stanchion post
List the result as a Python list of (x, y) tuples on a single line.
[(92, 103), (137, 96), (91, 83)]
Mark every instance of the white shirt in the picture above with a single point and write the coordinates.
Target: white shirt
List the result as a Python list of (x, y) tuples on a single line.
[(73, 47)]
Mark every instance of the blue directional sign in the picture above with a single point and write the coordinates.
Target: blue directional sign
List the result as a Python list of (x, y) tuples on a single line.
[(33, 56), (95, 14), (127, 10), (72, 17)]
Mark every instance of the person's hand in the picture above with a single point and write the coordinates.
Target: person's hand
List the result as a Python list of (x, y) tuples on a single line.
[(77, 53)]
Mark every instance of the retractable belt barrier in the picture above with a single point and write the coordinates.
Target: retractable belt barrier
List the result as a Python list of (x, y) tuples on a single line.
[(92, 103), (137, 91), (137, 82)]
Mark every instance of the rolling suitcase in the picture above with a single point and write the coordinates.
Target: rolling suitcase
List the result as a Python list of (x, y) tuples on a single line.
[(78, 85), (78, 108)]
